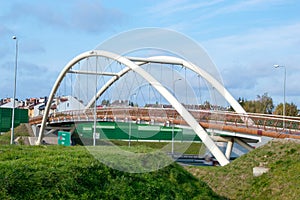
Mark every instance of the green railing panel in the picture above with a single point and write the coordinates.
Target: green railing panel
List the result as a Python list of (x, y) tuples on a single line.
[(122, 130)]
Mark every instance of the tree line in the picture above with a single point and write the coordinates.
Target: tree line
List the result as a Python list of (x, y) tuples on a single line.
[(264, 104)]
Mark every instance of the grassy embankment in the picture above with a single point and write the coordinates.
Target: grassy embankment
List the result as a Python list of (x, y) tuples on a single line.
[(19, 131), (236, 180), (56, 172)]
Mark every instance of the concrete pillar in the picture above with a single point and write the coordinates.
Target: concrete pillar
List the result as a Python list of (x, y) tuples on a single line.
[(243, 144), (229, 148), (35, 130)]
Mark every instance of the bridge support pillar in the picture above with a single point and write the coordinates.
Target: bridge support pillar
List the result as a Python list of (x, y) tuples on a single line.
[(229, 148), (35, 130), (243, 144)]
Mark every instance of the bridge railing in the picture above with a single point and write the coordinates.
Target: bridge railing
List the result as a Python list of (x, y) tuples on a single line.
[(207, 118), (290, 125)]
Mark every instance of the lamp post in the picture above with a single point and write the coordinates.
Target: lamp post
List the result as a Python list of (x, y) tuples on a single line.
[(179, 79), (129, 132), (173, 120), (95, 111), (284, 86), (95, 121), (14, 95)]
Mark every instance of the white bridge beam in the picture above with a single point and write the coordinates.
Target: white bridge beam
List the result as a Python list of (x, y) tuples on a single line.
[(92, 73)]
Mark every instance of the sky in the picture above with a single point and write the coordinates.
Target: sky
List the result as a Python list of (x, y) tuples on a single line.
[(243, 38)]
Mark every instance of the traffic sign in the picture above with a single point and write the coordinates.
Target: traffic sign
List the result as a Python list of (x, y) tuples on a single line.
[(64, 138)]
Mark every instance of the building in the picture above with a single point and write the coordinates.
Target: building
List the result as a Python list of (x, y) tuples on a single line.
[(8, 103), (68, 103)]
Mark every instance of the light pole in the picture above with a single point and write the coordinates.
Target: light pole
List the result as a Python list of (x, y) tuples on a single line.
[(14, 95), (173, 120), (284, 85), (179, 79), (95, 111), (129, 132)]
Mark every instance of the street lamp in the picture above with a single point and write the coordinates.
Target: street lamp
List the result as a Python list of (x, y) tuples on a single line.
[(95, 121), (131, 102), (173, 120), (179, 79), (14, 95), (284, 85), (129, 132)]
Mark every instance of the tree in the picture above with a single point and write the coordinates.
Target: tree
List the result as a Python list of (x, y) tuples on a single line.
[(263, 104), (105, 102), (206, 105), (290, 109), (266, 104)]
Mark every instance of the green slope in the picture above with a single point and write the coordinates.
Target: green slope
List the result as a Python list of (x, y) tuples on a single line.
[(236, 181), (20, 130), (55, 172)]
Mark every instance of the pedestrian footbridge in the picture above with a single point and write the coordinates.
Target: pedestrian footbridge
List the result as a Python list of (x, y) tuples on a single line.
[(158, 124), (208, 125)]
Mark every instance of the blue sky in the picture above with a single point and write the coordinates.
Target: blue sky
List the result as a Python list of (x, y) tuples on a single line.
[(243, 38)]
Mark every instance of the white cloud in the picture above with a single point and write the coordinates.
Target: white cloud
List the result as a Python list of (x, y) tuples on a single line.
[(172, 10), (258, 43), (163, 9), (89, 16), (94, 17), (246, 61)]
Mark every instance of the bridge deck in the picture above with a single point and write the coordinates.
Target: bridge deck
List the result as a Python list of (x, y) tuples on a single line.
[(254, 124)]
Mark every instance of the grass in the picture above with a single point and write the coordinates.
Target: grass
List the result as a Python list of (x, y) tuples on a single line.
[(236, 180), (20, 130), (181, 147), (56, 172), (51, 172)]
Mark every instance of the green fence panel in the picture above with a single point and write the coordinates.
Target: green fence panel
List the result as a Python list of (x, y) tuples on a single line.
[(121, 131), (21, 116)]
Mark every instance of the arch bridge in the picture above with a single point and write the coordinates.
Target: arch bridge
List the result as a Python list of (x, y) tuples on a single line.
[(237, 126)]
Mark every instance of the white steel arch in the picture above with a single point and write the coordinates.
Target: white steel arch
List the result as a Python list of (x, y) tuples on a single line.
[(200, 131), (176, 61)]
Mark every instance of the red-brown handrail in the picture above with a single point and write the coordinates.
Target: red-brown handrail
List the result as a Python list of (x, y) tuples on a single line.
[(250, 123)]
